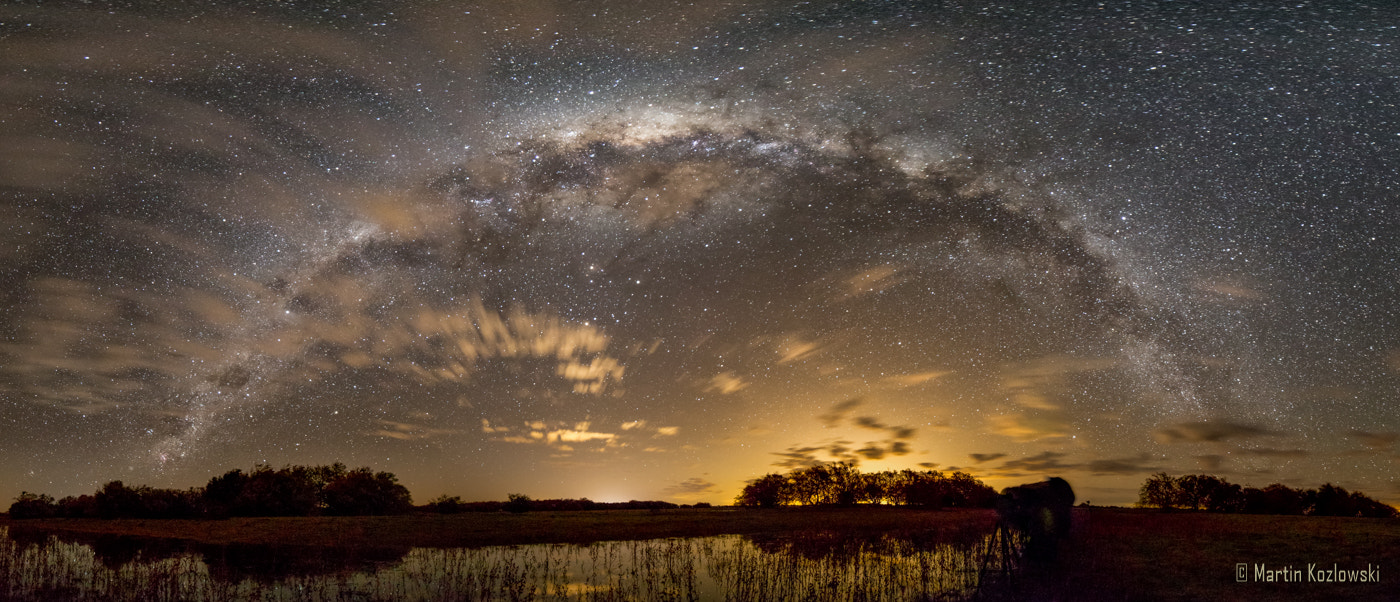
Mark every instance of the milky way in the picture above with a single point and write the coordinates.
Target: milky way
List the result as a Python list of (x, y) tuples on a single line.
[(626, 251)]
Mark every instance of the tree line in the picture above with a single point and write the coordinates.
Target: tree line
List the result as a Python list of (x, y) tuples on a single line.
[(841, 484), (288, 491), (517, 503), (1214, 494)]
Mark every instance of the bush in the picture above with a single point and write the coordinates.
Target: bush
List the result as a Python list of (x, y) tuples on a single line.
[(517, 502)]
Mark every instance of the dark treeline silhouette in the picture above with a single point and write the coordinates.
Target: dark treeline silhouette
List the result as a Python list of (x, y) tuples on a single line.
[(841, 484), (522, 503), (1214, 494), (289, 491)]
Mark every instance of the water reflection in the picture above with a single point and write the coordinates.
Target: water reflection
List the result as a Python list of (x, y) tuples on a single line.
[(809, 566)]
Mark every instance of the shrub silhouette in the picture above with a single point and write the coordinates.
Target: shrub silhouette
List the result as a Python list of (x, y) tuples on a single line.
[(517, 503)]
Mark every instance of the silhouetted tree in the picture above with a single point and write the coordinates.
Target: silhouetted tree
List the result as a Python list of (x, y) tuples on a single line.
[(766, 491), (285, 492), (116, 500), (361, 492), (221, 495), (83, 506), (840, 483), (1275, 499), (1205, 492), (167, 503), (1159, 491), (32, 505)]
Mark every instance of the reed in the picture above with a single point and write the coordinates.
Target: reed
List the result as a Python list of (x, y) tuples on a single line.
[(729, 567)]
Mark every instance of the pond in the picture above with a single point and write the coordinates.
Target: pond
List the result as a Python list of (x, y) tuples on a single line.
[(812, 566)]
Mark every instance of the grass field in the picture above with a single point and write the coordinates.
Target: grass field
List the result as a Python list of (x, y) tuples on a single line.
[(1113, 554)]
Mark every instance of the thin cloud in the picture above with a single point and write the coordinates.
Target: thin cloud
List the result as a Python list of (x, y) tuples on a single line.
[(1123, 466), (1380, 441), (917, 378), (1276, 453), (408, 431), (692, 487), (1207, 432), (1038, 384), (838, 412)]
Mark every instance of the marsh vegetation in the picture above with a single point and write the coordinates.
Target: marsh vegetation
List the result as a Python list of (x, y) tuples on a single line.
[(806, 566)]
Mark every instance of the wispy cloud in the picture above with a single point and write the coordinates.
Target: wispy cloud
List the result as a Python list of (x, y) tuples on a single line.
[(1029, 426), (794, 348), (838, 412), (917, 378), (1139, 464), (408, 431), (692, 487), (1039, 383), (1379, 441), (1270, 452), (1207, 432), (726, 383)]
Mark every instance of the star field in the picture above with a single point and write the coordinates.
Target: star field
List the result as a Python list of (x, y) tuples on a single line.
[(625, 251)]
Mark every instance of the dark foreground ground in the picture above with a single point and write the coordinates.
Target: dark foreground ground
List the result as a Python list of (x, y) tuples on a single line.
[(1113, 554), (1128, 554)]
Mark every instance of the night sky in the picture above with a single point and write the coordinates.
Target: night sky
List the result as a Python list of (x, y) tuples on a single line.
[(650, 250)]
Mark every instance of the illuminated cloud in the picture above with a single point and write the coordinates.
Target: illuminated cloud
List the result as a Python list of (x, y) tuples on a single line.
[(915, 379), (795, 349), (726, 383), (1029, 426), (872, 280), (980, 458)]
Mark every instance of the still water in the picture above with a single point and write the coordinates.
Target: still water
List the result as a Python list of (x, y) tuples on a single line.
[(730, 567)]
